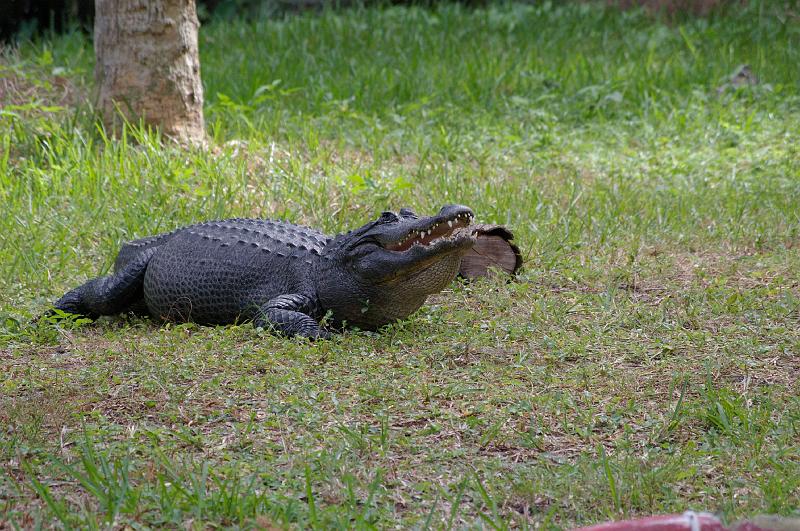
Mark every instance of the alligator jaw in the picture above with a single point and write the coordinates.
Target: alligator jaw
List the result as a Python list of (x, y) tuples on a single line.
[(439, 231)]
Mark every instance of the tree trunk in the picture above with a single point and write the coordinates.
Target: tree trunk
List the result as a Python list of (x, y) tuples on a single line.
[(148, 67)]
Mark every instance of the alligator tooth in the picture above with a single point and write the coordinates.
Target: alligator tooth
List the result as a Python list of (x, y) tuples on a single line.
[(450, 224), (429, 232)]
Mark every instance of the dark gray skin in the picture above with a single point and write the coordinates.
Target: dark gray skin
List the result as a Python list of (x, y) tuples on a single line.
[(282, 275)]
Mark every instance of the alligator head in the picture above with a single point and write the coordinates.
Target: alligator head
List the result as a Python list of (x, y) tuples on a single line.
[(386, 269)]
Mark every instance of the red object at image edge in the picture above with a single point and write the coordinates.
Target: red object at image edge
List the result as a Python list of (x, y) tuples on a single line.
[(688, 521)]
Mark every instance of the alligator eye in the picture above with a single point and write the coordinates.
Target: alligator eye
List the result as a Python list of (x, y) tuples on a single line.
[(388, 216), (407, 213)]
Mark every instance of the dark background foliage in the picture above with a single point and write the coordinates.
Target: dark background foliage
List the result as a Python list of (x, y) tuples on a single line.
[(26, 18), (23, 19)]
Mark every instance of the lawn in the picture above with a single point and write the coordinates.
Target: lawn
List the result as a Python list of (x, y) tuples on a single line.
[(647, 359)]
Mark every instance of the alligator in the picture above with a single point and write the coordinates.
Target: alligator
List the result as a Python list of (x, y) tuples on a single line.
[(283, 276)]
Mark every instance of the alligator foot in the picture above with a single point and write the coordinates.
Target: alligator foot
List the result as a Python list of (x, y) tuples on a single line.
[(289, 315)]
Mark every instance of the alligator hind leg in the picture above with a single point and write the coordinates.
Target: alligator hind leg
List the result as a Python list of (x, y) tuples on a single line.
[(111, 294), (289, 315)]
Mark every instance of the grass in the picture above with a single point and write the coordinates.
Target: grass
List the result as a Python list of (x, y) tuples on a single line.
[(646, 360)]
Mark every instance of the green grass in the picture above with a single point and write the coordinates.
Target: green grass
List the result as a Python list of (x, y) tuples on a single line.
[(646, 360)]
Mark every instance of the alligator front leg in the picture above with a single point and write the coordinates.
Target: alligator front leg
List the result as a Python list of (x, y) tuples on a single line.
[(108, 295), (291, 315)]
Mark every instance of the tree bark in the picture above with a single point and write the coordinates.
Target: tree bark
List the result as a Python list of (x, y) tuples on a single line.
[(148, 66)]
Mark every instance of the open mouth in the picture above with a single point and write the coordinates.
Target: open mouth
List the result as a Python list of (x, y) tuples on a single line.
[(438, 232)]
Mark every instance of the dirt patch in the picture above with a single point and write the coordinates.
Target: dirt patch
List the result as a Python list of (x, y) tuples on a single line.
[(676, 7), (33, 87)]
